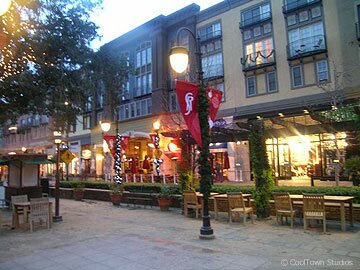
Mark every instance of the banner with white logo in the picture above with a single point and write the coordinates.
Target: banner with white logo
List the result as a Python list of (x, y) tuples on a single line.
[(111, 142), (187, 94)]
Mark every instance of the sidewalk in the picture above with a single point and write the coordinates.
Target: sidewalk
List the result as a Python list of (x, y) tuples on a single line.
[(97, 235)]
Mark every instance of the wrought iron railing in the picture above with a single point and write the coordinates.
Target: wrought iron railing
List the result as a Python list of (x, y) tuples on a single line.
[(258, 59), (291, 5), (255, 19), (306, 46)]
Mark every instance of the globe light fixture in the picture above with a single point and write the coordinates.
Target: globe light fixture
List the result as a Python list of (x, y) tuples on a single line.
[(179, 59), (105, 126), (5, 6)]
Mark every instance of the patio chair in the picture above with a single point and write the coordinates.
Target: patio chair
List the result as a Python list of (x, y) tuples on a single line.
[(39, 212), (191, 202), (314, 208), (284, 207), (237, 206), (19, 210), (42, 199)]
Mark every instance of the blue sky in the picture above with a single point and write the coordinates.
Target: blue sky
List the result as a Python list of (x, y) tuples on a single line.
[(118, 16)]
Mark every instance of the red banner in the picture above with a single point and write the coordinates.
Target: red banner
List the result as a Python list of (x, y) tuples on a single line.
[(187, 94), (153, 138), (111, 142)]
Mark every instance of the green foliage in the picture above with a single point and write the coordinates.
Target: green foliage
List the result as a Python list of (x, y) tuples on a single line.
[(79, 186), (260, 169), (165, 192), (116, 188), (185, 179), (352, 165), (87, 184)]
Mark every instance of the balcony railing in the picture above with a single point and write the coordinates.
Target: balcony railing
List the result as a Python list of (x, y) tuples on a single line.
[(357, 27), (255, 19), (211, 35), (258, 59), (306, 46), (291, 5), (213, 71)]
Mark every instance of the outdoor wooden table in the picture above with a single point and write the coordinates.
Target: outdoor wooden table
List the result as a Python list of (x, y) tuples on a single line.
[(223, 197), (341, 200), (25, 206)]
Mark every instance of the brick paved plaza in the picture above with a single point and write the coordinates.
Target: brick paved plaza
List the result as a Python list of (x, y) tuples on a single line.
[(98, 235)]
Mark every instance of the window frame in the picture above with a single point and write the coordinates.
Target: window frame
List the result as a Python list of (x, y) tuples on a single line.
[(293, 79), (317, 70), (247, 86), (268, 82)]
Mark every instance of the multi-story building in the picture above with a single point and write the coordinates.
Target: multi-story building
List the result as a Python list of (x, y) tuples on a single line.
[(288, 64)]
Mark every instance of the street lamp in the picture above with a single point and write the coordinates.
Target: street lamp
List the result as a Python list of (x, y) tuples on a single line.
[(57, 141), (5, 6), (156, 126), (179, 58), (105, 127)]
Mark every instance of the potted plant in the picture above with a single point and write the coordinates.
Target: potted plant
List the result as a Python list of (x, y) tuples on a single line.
[(116, 193), (78, 191), (164, 198), (352, 165)]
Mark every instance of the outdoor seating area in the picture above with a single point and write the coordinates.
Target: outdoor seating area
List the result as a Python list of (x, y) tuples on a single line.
[(35, 211)]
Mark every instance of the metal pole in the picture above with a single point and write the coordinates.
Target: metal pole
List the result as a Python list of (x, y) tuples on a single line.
[(57, 216), (118, 178)]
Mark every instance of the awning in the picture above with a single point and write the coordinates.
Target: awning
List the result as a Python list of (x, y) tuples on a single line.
[(4, 162), (37, 161)]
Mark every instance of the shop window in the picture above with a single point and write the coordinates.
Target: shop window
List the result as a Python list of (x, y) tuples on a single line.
[(297, 76)]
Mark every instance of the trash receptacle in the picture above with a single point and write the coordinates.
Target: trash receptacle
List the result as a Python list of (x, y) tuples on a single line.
[(45, 185)]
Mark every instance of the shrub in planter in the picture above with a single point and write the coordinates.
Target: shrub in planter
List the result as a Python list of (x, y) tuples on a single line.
[(79, 191), (164, 198), (116, 193), (352, 165)]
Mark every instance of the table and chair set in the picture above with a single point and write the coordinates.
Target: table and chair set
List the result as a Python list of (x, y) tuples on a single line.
[(35, 211), (239, 204)]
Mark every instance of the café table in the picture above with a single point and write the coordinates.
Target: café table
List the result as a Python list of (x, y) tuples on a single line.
[(339, 200), (25, 206), (223, 197)]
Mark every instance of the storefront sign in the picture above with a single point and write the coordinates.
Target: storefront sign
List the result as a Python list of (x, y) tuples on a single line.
[(187, 94)]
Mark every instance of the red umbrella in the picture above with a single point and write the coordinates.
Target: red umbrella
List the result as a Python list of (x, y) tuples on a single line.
[(226, 161)]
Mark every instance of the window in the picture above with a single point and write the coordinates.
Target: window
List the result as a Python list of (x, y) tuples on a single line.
[(322, 71), (251, 86), (256, 14), (264, 47), (88, 104), (36, 120), (173, 103), (143, 55), (315, 12), (291, 20), (297, 77), (303, 16), (212, 65), (267, 28), (271, 81), (257, 31), (135, 109), (87, 122), (210, 31), (143, 71), (307, 38), (247, 34)]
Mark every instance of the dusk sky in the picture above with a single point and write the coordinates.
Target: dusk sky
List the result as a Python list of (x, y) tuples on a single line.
[(119, 17)]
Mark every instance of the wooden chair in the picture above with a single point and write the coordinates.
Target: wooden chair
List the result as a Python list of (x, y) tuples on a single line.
[(237, 206), (39, 212), (16, 212), (314, 208), (42, 199), (191, 201), (284, 207)]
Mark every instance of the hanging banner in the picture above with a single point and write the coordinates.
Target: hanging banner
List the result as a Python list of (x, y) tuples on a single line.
[(153, 137), (124, 143), (111, 142), (187, 94)]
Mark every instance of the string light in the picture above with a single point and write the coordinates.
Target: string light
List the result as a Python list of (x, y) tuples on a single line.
[(117, 165)]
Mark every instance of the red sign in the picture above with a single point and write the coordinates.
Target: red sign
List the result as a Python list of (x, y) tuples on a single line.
[(124, 143), (187, 94)]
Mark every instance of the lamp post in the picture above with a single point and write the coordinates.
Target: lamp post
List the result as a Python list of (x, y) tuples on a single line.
[(179, 58), (156, 126), (105, 126), (57, 141)]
